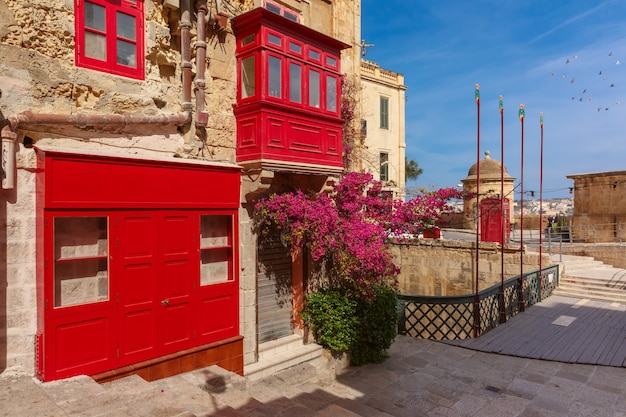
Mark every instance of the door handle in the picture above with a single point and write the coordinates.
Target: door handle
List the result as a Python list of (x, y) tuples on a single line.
[(165, 302)]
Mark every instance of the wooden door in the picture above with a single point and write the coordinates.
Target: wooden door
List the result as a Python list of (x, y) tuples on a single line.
[(137, 285), (176, 277)]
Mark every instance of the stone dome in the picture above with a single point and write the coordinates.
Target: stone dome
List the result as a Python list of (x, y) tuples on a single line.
[(489, 168)]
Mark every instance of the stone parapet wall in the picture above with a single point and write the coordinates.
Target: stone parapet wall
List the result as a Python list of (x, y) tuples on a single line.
[(614, 255), (448, 268)]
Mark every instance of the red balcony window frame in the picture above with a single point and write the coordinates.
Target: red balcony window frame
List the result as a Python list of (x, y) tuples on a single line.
[(132, 8)]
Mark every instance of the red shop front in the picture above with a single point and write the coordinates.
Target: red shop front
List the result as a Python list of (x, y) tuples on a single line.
[(137, 266)]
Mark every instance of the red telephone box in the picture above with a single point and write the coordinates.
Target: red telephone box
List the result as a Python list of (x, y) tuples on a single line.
[(494, 218)]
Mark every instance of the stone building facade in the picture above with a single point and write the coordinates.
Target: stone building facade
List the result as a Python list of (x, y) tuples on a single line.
[(599, 207), (127, 205), (382, 109)]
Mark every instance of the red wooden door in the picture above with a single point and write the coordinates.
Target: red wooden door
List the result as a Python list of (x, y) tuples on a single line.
[(137, 286), (176, 278)]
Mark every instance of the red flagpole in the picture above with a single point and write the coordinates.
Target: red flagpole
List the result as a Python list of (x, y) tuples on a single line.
[(502, 221), (540, 205), (522, 114), (477, 214)]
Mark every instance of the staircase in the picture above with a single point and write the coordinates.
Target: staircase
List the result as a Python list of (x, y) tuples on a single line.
[(304, 390), (584, 277)]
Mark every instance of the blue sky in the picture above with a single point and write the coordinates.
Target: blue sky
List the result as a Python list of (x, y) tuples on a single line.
[(564, 58)]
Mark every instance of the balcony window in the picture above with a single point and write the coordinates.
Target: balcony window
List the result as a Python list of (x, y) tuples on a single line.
[(295, 83), (314, 88), (331, 93), (248, 77), (275, 77)]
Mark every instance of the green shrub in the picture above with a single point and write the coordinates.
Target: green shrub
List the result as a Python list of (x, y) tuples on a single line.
[(378, 327), (331, 316), (340, 322)]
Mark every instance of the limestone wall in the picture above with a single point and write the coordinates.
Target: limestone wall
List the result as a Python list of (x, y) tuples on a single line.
[(448, 268), (614, 255)]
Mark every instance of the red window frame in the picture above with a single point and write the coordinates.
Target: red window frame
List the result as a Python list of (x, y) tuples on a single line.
[(132, 8)]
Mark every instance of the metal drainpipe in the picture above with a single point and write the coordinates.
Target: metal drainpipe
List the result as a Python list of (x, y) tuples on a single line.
[(9, 140), (185, 47), (202, 116), (29, 119)]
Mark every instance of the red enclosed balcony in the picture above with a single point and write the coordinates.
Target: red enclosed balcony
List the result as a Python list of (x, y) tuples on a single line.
[(288, 95)]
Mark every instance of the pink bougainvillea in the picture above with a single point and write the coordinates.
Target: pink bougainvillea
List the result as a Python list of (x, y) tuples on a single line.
[(346, 229)]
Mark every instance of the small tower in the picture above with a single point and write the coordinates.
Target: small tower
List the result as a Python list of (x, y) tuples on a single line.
[(490, 187)]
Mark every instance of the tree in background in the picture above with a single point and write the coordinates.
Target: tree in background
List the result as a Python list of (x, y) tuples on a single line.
[(411, 169)]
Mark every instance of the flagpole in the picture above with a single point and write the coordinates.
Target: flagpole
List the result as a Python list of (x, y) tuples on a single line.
[(522, 115), (477, 214), (502, 221), (540, 205)]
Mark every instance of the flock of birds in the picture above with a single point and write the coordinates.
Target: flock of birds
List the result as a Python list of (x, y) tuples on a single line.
[(585, 94)]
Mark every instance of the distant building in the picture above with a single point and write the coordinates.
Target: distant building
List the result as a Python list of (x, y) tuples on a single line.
[(491, 184), (599, 206), (383, 124)]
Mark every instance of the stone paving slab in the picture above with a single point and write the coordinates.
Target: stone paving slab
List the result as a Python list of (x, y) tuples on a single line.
[(420, 378)]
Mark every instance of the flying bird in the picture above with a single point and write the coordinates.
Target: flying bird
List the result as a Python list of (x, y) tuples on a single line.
[(612, 85), (600, 73), (611, 53), (617, 62), (567, 61), (573, 79)]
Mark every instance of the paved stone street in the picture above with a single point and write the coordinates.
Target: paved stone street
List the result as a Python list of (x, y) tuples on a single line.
[(420, 378)]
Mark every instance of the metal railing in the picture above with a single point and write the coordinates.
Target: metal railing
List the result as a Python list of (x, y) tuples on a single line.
[(450, 318), (588, 233)]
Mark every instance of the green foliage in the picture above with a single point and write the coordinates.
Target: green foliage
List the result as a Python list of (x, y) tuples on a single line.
[(342, 322), (331, 316), (411, 169), (378, 323)]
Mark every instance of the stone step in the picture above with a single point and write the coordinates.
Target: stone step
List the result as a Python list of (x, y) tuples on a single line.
[(277, 355), (576, 292), (134, 396)]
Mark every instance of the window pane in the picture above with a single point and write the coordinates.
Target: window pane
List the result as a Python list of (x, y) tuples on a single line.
[(384, 113), (95, 17), (215, 249), (314, 55), (272, 8), (314, 89), (271, 38), (248, 78), (295, 83), (126, 54), (384, 166), (125, 26), (95, 46), (247, 40), (275, 77), (291, 16), (214, 266), (215, 231), (331, 61), (80, 260), (331, 93), (294, 47)]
